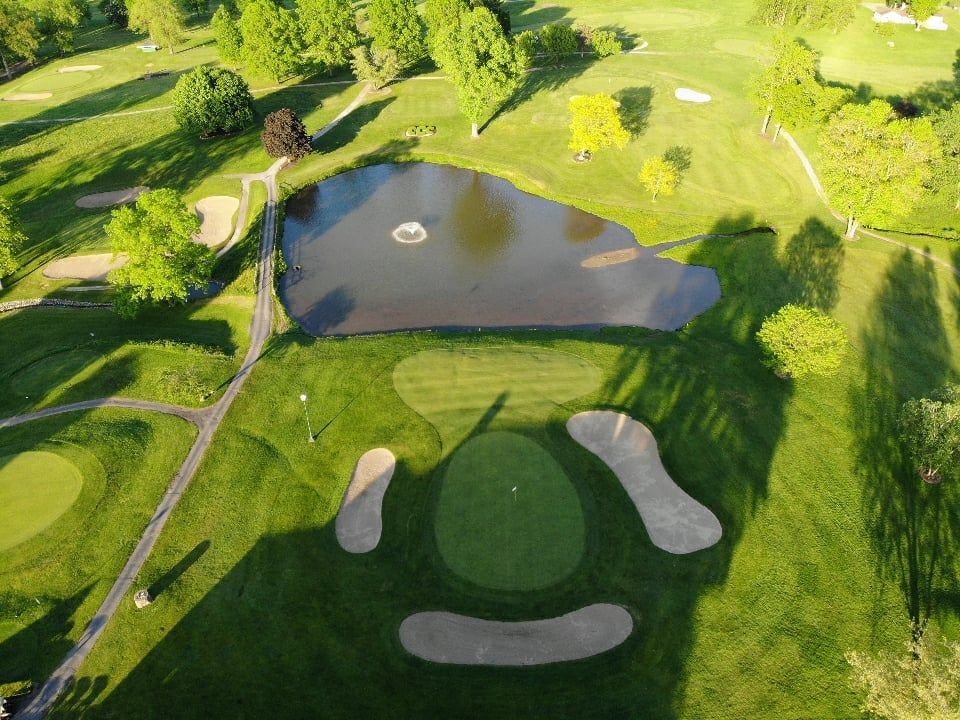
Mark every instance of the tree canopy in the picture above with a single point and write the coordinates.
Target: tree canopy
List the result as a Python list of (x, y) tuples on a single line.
[(874, 165), (595, 124), (163, 262), (11, 239), (946, 170), (798, 341), (329, 29), (922, 9), (59, 20), (271, 39), (659, 176), (212, 101), (442, 19), (163, 20), (396, 25), (227, 35), (930, 432), (284, 135), (377, 67), (558, 40), (834, 15), (19, 33)]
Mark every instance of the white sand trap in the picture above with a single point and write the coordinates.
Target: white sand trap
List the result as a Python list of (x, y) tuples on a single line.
[(614, 257), (79, 68), (216, 219), (26, 97), (443, 637), (108, 199), (84, 267), (675, 521), (358, 523), (688, 95)]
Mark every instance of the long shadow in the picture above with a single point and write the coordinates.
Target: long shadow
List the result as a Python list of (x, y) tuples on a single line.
[(813, 260), (523, 15), (174, 573), (914, 527), (635, 106)]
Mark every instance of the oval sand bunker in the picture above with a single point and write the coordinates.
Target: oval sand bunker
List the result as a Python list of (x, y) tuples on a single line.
[(675, 521), (452, 639), (84, 267), (359, 522), (26, 97), (216, 219), (79, 68)]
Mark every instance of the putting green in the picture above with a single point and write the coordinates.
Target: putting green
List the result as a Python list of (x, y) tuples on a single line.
[(36, 488), (54, 82), (457, 390), (501, 539)]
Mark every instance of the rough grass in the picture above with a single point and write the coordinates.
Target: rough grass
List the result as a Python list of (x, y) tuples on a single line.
[(36, 488)]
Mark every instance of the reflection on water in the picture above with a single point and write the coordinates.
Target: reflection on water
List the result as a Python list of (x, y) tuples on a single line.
[(494, 257)]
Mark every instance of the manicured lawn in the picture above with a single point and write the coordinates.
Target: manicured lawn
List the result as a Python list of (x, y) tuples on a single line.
[(36, 488)]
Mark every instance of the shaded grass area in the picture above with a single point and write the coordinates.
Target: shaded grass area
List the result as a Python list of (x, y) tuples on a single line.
[(51, 584)]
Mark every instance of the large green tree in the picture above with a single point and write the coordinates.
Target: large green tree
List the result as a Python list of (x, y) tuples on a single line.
[(227, 35), (595, 124), (659, 176), (329, 29), (874, 165), (946, 171), (19, 33), (163, 20), (271, 39), (798, 341), (922, 9), (375, 66), (815, 14), (396, 25), (442, 18), (212, 101), (59, 20), (484, 66), (930, 433), (163, 262), (11, 239)]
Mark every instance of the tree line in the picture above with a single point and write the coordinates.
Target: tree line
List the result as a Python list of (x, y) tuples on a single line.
[(26, 24)]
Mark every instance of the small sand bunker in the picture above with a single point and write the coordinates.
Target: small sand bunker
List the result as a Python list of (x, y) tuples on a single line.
[(675, 521), (359, 521), (443, 637), (216, 219), (79, 68), (84, 267), (26, 97), (108, 199), (409, 233), (615, 257), (688, 95)]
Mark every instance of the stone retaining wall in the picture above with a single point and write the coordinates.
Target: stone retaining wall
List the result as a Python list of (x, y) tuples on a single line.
[(52, 302)]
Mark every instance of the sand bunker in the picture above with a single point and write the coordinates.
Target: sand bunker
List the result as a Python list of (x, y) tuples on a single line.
[(79, 68), (443, 637), (216, 219), (615, 257), (675, 521), (108, 199), (688, 95), (358, 522), (25, 97), (84, 267)]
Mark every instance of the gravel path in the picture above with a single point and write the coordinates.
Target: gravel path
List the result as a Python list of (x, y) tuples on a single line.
[(194, 415)]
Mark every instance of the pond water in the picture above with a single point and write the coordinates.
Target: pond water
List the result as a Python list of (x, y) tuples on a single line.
[(491, 257)]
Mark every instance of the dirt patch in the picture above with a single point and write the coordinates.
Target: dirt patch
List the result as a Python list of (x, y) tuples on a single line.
[(216, 219), (109, 199), (26, 97), (675, 521), (452, 639), (359, 521), (84, 267), (79, 68), (611, 258)]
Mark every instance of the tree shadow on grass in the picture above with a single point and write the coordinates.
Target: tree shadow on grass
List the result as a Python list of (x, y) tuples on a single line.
[(635, 106), (914, 527), (158, 586), (524, 16), (813, 260)]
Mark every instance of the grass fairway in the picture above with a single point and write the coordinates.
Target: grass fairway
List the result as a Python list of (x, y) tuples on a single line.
[(507, 516), (36, 488)]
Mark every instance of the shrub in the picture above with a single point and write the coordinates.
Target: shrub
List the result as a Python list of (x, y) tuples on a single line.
[(421, 130), (285, 135), (558, 40), (800, 341), (606, 43), (212, 101), (526, 44), (377, 68)]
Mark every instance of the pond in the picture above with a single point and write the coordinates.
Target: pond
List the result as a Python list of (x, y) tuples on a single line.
[(418, 246)]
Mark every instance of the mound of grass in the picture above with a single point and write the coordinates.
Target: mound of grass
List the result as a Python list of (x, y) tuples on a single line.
[(36, 488), (507, 516)]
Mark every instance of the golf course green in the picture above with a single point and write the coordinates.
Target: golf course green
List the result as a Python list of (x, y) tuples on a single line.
[(36, 488)]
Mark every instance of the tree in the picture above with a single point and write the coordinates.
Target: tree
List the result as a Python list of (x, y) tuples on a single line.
[(923, 9), (484, 66), (814, 14), (19, 34), (377, 67), (946, 171), (329, 30), (395, 25), (285, 135), (798, 341), (659, 176), (271, 39), (442, 18), (163, 262), (558, 40), (930, 432), (919, 684), (606, 43), (197, 7), (212, 101), (227, 35), (526, 45), (115, 11), (595, 124), (874, 165), (59, 20), (163, 20), (11, 239)]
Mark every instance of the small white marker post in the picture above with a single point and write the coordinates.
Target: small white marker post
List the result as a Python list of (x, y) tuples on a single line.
[(303, 399), (514, 493)]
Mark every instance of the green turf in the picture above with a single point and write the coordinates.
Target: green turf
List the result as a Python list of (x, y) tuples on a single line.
[(507, 516), (36, 488)]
